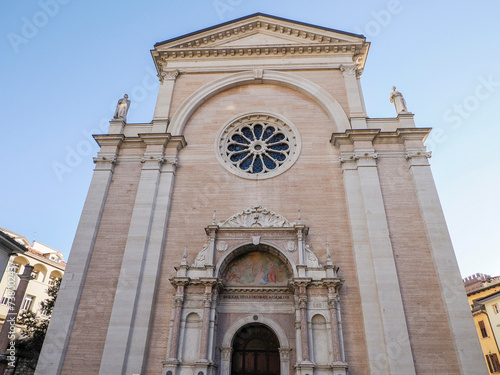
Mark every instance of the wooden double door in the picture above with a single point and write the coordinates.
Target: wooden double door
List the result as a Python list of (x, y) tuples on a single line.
[(255, 351)]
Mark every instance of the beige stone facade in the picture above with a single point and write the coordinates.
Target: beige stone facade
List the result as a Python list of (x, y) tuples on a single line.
[(261, 162)]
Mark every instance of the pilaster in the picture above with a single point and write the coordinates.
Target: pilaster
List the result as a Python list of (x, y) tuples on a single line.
[(164, 101), (333, 286), (357, 112), (54, 350), (382, 305), (300, 285), (207, 305), (126, 340), (455, 302)]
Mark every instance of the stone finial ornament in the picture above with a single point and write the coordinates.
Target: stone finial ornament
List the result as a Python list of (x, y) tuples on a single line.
[(122, 109), (399, 101), (184, 257)]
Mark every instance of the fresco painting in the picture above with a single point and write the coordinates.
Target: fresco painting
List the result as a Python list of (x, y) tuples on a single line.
[(257, 269)]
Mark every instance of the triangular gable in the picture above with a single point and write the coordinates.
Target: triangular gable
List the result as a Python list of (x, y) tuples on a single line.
[(260, 22), (261, 35)]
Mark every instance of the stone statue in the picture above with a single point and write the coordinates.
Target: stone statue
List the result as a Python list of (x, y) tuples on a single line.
[(200, 259), (399, 101), (122, 109)]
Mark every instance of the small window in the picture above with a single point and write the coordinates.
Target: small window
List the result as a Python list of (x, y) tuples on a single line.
[(27, 303), (493, 363), (34, 274), (7, 296), (495, 308), (483, 329), (15, 267)]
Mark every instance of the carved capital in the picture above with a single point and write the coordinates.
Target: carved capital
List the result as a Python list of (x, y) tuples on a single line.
[(105, 159), (172, 161), (105, 163), (169, 75), (349, 70), (152, 162), (226, 353), (179, 281), (412, 154), (332, 303), (418, 157), (365, 154), (284, 354)]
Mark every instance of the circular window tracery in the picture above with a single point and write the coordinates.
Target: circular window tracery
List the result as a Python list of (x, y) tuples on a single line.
[(258, 146)]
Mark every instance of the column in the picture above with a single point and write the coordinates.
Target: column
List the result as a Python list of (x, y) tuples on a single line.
[(11, 317), (303, 359), (332, 305), (357, 112), (164, 101), (463, 332), (207, 305), (126, 340), (213, 324), (176, 320), (56, 342), (386, 332)]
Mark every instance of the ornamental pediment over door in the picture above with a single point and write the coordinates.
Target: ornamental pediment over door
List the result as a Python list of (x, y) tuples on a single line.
[(256, 217), (251, 35)]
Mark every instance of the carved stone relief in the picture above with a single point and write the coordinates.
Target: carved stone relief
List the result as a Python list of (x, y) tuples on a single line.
[(256, 217)]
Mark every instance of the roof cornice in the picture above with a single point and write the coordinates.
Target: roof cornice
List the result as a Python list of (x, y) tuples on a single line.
[(290, 39)]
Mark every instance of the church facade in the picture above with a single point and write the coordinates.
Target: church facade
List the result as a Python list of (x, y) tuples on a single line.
[(262, 223)]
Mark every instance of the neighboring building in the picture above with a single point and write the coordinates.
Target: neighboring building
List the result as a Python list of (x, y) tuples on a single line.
[(48, 266), (8, 247), (483, 292), (327, 252)]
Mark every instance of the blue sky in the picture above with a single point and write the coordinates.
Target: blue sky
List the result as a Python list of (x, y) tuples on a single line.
[(64, 64)]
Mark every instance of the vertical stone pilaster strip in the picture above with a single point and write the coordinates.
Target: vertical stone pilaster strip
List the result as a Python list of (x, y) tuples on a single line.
[(127, 329), (303, 336), (357, 112), (149, 277), (455, 302), (298, 335), (372, 319), (174, 340), (332, 305), (301, 326), (385, 326), (53, 352), (213, 324), (164, 101), (207, 304)]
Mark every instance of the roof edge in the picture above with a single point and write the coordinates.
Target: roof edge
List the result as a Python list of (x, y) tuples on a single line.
[(255, 15)]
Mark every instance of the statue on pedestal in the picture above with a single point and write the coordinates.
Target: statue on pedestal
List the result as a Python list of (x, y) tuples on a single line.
[(122, 109), (399, 101)]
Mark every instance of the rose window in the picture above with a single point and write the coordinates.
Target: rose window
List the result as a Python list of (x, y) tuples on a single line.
[(258, 146)]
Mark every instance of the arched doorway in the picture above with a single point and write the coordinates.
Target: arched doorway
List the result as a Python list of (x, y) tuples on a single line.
[(255, 351)]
